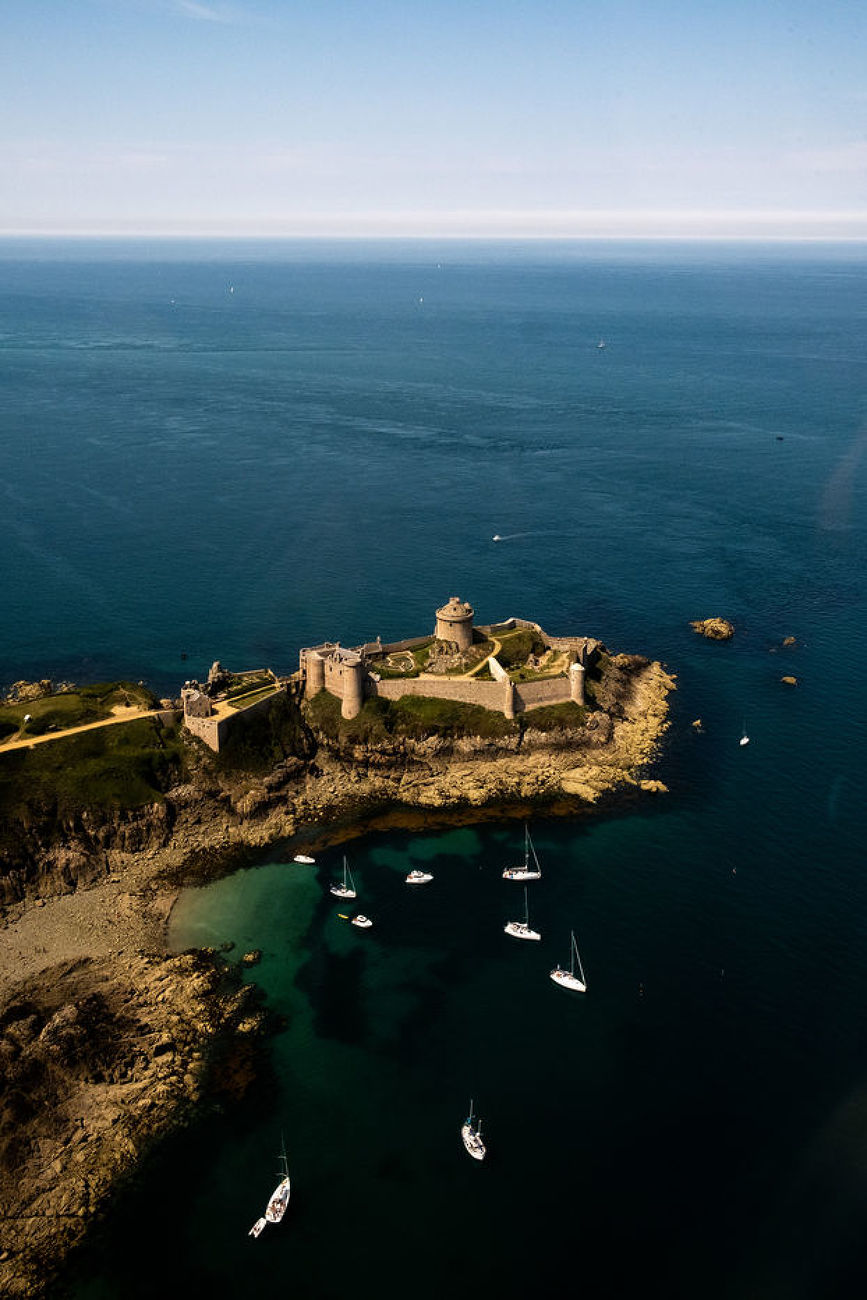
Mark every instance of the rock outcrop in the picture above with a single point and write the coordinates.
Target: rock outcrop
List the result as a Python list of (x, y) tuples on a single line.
[(97, 1059), (715, 629)]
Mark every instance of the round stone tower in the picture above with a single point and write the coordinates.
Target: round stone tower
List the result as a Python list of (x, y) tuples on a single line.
[(314, 681), (455, 623), (353, 687)]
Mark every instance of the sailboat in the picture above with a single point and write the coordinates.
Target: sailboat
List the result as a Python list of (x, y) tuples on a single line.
[(526, 872), (521, 929), (347, 889), (600, 344), (471, 1134), (276, 1207), (744, 740), (567, 979)]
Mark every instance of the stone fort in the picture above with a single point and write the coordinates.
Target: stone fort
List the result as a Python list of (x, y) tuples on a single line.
[(444, 667)]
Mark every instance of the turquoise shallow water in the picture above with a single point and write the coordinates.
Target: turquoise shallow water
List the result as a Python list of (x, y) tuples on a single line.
[(320, 453)]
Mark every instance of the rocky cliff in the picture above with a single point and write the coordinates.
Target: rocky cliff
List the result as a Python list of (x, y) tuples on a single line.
[(105, 1042), (98, 1057)]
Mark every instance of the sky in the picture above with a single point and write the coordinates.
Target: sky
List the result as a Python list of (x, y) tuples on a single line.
[(514, 118)]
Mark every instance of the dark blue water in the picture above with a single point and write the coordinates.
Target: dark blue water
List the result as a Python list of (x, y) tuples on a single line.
[(327, 451)]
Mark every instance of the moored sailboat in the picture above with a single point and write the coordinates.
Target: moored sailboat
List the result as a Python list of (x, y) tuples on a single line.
[(471, 1133), (521, 929), (347, 889), (279, 1199), (528, 871), (567, 979)]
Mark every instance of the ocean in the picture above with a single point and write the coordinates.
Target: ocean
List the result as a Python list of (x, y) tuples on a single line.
[(232, 450)]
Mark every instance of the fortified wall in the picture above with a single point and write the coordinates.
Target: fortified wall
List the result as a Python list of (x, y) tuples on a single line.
[(350, 675)]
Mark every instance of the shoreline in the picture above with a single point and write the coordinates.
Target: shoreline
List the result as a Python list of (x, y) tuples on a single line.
[(104, 943)]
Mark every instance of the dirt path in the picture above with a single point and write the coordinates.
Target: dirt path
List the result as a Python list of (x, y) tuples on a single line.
[(120, 713)]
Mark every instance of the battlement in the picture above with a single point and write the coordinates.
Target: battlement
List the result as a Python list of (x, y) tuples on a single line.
[(467, 668)]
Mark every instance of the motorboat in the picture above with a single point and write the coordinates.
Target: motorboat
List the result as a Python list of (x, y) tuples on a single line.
[(417, 877), (363, 922)]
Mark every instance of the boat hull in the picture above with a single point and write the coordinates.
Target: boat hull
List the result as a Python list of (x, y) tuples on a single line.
[(363, 922), (518, 873), (423, 878), (303, 857), (278, 1202), (474, 1145), (518, 930), (339, 892), (567, 981)]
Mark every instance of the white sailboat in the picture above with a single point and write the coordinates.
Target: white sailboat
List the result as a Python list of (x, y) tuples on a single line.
[(744, 740), (417, 877), (527, 872), (279, 1200), (347, 889), (521, 929), (567, 979), (471, 1133)]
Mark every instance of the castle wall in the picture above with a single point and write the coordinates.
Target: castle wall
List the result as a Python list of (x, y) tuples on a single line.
[(213, 731), (464, 689), (534, 695), (375, 648)]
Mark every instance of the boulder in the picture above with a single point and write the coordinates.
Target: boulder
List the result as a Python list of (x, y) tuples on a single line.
[(715, 629)]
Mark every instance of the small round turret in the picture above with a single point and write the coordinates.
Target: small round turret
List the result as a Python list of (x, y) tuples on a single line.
[(455, 623)]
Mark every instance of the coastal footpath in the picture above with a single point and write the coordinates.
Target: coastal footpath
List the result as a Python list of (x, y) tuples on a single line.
[(107, 1042)]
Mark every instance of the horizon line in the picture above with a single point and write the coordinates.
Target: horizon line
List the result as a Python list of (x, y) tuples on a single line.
[(683, 237)]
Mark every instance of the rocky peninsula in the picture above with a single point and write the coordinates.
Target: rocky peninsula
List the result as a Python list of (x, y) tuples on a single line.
[(107, 1041)]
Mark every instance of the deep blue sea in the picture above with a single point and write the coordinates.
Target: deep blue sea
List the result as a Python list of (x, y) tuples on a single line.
[(230, 451)]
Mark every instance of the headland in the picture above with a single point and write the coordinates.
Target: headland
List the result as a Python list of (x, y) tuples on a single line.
[(106, 1041)]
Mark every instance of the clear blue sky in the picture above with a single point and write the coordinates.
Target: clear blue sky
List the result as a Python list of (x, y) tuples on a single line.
[(550, 117)]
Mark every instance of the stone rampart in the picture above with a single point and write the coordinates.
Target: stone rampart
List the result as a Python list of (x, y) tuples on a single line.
[(464, 689), (213, 731), (534, 695), (392, 647)]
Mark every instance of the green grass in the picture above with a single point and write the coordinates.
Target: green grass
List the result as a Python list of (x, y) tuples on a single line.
[(72, 708), (517, 646), (122, 766), (244, 701), (413, 716), (555, 717)]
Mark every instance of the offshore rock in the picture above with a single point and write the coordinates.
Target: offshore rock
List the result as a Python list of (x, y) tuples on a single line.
[(715, 629)]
